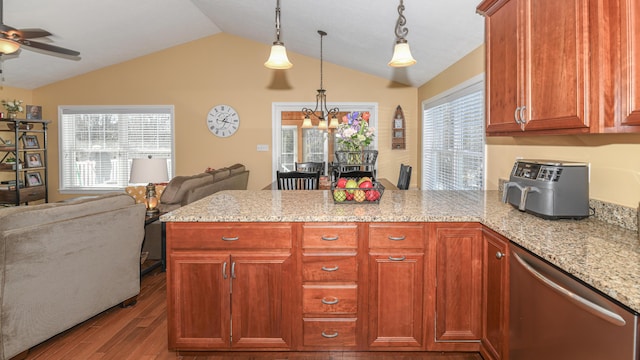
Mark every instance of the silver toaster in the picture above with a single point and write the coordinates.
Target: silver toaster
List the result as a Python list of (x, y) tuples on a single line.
[(549, 189)]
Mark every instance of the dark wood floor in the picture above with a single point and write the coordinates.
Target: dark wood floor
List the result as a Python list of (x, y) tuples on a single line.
[(140, 333)]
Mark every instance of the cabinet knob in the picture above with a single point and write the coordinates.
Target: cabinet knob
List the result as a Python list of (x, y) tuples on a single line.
[(499, 255)]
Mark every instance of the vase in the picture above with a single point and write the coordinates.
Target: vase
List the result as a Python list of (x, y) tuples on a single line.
[(13, 115)]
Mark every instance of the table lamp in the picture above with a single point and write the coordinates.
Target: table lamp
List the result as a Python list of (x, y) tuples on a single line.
[(151, 171)]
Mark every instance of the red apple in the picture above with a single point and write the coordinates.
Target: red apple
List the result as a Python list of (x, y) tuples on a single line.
[(366, 185), (372, 195), (342, 182)]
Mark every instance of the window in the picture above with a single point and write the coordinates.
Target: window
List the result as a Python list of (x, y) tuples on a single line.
[(453, 139), (97, 144), (289, 147)]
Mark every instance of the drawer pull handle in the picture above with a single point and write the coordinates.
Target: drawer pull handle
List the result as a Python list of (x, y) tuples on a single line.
[(330, 238), (330, 336), (230, 238), (397, 238), (335, 268), (401, 258), (330, 302)]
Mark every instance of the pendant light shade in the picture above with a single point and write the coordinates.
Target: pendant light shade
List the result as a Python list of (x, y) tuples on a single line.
[(8, 46), (306, 124), (333, 124), (401, 52), (278, 58)]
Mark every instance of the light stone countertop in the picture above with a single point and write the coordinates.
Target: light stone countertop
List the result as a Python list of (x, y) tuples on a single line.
[(604, 256)]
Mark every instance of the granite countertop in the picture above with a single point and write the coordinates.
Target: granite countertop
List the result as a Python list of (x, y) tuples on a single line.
[(604, 256)]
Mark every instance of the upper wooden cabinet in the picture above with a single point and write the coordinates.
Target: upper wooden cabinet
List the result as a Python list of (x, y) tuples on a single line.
[(562, 67)]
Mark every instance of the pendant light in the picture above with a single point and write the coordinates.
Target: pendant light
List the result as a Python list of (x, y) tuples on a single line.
[(278, 58), (321, 111), (401, 52)]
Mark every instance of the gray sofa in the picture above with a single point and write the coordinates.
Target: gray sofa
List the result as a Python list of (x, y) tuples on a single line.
[(183, 190), (62, 263)]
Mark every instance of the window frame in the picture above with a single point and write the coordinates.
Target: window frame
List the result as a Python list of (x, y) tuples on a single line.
[(122, 109)]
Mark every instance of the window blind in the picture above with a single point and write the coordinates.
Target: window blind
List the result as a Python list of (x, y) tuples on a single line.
[(97, 144), (454, 140)]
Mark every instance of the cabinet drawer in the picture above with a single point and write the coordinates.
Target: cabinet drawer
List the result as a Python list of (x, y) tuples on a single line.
[(228, 236), (330, 299), (323, 236), (329, 268), (407, 236), (329, 333)]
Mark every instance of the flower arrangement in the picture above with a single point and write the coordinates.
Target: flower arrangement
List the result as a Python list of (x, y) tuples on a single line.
[(354, 133), (13, 106)]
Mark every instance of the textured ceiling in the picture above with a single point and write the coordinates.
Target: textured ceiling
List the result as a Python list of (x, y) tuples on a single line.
[(360, 32)]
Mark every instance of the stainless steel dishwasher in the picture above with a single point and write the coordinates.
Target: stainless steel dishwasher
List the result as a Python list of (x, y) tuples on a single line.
[(553, 316)]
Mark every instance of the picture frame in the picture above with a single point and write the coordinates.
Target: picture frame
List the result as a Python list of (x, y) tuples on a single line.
[(34, 112), (34, 179), (397, 124), (30, 142), (33, 160)]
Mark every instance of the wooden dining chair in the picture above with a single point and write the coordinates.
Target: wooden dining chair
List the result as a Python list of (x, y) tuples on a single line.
[(405, 177), (310, 167), (297, 180)]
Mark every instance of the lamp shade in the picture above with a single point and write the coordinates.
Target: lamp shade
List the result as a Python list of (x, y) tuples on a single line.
[(306, 123), (8, 46), (278, 58), (148, 171), (402, 55)]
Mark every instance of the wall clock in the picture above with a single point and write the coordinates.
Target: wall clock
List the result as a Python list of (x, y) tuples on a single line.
[(223, 120)]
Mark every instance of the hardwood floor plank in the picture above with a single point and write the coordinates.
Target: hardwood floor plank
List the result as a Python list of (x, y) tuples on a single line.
[(139, 332)]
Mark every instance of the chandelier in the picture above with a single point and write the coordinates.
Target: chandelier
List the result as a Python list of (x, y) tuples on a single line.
[(321, 111), (401, 52)]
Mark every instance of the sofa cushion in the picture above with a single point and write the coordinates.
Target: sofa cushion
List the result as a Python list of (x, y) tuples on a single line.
[(220, 174), (179, 185), (236, 168)]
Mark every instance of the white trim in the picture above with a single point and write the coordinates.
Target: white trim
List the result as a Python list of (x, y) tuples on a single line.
[(465, 84)]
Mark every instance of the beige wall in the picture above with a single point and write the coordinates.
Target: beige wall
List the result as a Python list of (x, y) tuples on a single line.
[(614, 159), (223, 69)]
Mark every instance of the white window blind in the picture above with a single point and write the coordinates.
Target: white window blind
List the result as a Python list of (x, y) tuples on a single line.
[(289, 147), (314, 148), (97, 144), (454, 140)]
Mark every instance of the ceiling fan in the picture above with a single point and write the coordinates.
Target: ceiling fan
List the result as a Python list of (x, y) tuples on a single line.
[(11, 39)]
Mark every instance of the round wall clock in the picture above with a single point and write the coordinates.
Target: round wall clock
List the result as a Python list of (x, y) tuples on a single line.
[(223, 120)]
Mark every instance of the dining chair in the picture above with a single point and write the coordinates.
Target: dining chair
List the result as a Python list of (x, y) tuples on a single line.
[(310, 167), (297, 180), (405, 177)]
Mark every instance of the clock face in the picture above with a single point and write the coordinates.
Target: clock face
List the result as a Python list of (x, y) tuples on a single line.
[(223, 120)]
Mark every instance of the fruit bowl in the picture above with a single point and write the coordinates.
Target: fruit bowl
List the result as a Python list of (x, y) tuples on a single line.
[(356, 191)]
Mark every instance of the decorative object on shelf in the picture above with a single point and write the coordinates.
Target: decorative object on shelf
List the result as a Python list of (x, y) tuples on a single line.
[(13, 107), (34, 179), (33, 160), (321, 103), (401, 53), (34, 112), (12, 126), (223, 120), (354, 133), (151, 171), (278, 57), (30, 142), (398, 137)]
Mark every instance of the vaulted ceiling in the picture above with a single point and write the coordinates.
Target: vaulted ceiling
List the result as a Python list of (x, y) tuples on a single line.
[(360, 32)]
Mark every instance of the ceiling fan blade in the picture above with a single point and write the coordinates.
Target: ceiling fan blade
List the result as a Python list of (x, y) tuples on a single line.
[(51, 48), (32, 33)]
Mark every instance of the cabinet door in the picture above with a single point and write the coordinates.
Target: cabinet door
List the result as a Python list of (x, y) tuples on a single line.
[(556, 63), (395, 299), (630, 62), (458, 282), (261, 300), (495, 296), (501, 42), (198, 308)]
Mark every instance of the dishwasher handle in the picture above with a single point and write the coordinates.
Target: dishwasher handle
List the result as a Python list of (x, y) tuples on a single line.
[(585, 304)]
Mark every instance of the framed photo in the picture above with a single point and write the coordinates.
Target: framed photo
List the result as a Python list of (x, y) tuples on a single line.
[(34, 112), (30, 142), (397, 124), (34, 179), (398, 134), (33, 160)]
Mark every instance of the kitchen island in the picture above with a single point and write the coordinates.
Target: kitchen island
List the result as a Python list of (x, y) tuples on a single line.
[(440, 227)]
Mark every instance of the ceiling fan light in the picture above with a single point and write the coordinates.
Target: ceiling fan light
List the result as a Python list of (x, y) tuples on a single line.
[(402, 55), (278, 58), (8, 46), (306, 124)]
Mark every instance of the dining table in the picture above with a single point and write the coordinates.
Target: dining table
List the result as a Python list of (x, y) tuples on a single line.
[(388, 185)]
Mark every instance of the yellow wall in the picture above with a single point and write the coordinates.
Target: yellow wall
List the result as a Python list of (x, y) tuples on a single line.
[(614, 159), (224, 69)]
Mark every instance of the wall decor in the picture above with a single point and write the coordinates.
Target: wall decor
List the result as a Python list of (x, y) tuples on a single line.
[(34, 112), (398, 133)]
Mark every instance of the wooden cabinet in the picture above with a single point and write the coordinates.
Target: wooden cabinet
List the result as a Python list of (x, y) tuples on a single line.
[(537, 56), (229, 286), (495, 296), (396, 285), (456, 253), (24, 180), (630, 63), (330, 286)]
